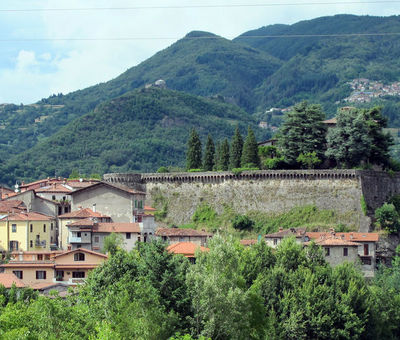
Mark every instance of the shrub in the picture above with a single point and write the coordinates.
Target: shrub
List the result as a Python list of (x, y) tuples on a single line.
[(242, 222), (162, 169), (388, 218)]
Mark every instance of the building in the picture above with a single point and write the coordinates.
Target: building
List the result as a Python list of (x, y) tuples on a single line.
[(7, 207), (27, 231), (274, 239), (367, 245), (337, 249), (187, 249), (76, 216), (8, 280), (67, 268), (121, 203), (175, 235)]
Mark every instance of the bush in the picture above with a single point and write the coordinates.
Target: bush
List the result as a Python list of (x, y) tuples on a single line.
[(162, 169), (242, 222)]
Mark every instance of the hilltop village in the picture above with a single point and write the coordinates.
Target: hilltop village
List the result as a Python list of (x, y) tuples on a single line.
[(54, 231)]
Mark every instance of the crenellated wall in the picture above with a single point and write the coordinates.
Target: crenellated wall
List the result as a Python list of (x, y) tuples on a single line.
[(268, 191)]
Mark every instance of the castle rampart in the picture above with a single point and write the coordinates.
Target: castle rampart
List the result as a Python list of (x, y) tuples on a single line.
[(269, 191)]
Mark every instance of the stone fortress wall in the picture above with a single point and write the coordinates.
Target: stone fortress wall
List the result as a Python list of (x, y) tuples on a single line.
[(268, 191)]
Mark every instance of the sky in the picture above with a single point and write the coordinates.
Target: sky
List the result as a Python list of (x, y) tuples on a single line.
[(59, 46)]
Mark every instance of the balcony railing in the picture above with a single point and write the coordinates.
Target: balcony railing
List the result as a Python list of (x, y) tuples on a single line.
[(40, 243), (75, 240)]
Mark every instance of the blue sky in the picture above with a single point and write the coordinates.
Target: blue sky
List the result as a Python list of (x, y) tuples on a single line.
[(31, 70)]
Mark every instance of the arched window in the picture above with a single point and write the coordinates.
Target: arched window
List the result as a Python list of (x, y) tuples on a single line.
[(79, 257)]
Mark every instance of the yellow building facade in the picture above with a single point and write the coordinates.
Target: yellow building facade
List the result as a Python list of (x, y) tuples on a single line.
[(27, 231)]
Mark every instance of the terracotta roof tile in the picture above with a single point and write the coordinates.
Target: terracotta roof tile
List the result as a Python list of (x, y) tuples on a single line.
[(352, 236), (248, 242), (297, 232), (55, 188), (116, 228), (86, 222), (334, 242), (118, 187), (187, 249), (7, 280), (82, 213), (181, 232), (27, 216), (8, 206)]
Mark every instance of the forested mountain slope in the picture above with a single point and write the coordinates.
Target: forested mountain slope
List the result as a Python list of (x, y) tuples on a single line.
[(141, 131)]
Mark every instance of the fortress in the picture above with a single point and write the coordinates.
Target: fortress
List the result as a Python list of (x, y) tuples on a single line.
[(342, 191)]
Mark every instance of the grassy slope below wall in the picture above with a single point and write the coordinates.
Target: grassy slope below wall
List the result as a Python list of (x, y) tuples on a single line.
[(308, 216)]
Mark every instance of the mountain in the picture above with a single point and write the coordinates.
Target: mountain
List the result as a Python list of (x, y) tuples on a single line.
[(254, 72), (141, 131), (317, 68)]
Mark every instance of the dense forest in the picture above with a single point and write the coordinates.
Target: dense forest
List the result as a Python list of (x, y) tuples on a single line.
[(254, 72), (138, 131), (231, 292)]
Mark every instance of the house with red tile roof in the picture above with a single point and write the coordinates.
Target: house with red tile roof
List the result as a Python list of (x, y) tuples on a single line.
[(77, 216), (367, 244), (121, 203), (187, 249), (68, 268), (12, 206), (175, 235), (9, 279), (27, 231), (274, 239)]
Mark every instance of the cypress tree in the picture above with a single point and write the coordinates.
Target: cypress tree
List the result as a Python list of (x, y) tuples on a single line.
[(209, 154), (194, 153), (217, 156), (224, 156), (236, 149), (250, 157)]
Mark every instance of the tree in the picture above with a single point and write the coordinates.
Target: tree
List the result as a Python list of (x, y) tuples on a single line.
[(112, 243), (388, 218), (250, 157), (349, 142), (193, 155), (302, 132), (224, 156), (308, 160), (209, 154), (236, 149), (380, 141)]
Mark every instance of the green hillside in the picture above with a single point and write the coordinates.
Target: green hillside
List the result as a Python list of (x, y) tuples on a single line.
[(317, 68), (140, 131)]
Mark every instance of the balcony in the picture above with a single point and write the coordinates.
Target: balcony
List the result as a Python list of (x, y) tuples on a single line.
[(75, 239), (40, 243)]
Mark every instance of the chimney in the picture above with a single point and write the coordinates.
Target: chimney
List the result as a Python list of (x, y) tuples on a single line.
[(94, 207), (280, 229)]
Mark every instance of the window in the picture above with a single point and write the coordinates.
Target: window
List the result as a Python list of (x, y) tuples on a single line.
[(138, 239), (13, 245), (79, 257), (78, 234), (327, 251), (366, 249), (44, 228), (164, 238), (275, 241), (345, 251), (128, 236), (31, 243), (135, 203), (366, 260), (78, 275), (53, 197), (96, 239), (51, 239), (14, 228), (51, 226), (31, 228), (59, 275), (40, 257), (59, 210), (19, 274), (140, 204), (40, 275)]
